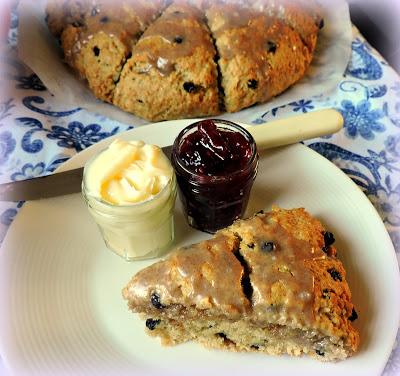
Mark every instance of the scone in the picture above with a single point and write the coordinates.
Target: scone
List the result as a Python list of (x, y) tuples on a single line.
[(303, 16), (259, 56), (172, 73), (99, 47), (269, 284), (61, 13)]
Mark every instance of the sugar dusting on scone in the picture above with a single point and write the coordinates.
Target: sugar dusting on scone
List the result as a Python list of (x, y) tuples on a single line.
[(271, 284)]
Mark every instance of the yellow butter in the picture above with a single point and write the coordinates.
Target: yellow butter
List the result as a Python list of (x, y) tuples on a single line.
[(128, 172)]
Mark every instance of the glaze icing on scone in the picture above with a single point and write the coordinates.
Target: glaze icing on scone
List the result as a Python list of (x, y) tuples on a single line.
[(303, 16), (99, 45), (61, 13), (271, 284), (260, 56), (164, 59), (172, 73)]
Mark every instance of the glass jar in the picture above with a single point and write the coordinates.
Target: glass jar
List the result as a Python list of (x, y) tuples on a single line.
[(136, 231), (214, 202)]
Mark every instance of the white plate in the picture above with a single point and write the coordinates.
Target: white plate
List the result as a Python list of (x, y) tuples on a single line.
[(60, 288)]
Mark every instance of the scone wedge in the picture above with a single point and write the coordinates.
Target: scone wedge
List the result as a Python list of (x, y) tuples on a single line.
[(172, 73), (100, 43), (259, 56), (271, 284)]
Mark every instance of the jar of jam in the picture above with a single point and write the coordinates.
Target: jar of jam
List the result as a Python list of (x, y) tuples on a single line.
[(215, 162)]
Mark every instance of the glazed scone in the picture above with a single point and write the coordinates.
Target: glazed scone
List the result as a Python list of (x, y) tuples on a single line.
[(172, 73), (99, 48), (61, 13), (269, 284), (259, 56), (303, 16)]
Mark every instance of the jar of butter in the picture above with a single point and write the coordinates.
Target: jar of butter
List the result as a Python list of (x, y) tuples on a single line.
[(130, 190)]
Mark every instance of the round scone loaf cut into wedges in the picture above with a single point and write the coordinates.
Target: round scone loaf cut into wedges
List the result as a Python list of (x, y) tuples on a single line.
[(303, 16), (260, 56), (99, 45), (172, 73), (166, 59), (271, 284)]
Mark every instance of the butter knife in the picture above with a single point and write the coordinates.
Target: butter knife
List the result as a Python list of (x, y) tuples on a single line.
[(268, 135)]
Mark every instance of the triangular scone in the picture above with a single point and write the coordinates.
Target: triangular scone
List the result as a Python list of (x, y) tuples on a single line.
[(172, 73), (259, 55), (271, 283), (99, 45)]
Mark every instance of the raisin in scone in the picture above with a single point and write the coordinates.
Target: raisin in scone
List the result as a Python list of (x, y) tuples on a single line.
[(172, 73), (269, 284), (99, 47), (259, 56)]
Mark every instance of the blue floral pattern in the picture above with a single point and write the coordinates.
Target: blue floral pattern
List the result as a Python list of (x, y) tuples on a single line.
[(396, 88), (29, 171), (77, 136), (27, 101), (363, 64), (302, 106), (37, 134), (392, 144), (5, 108), (387, 204), (360, 119), (32, 82), (7, 146), (8, 216)]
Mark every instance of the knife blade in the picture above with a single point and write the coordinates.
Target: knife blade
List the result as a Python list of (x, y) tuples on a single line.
[(58, 184), (268, 135)]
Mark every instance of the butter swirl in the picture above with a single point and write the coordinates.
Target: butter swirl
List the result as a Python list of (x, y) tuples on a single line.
[(128, 172)]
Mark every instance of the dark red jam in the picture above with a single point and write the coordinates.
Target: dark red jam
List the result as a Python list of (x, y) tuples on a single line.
[(214, 151), (215, 163)]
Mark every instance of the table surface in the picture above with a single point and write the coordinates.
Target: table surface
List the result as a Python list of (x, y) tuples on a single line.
[(37, 134)]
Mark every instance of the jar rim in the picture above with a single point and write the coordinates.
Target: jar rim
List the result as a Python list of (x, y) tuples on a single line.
[(214, 179)]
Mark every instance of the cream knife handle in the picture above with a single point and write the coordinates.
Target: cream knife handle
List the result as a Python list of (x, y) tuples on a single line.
[(296, 128)]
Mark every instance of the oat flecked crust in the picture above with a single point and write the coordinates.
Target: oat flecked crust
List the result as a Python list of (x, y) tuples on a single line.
[(271, 283)]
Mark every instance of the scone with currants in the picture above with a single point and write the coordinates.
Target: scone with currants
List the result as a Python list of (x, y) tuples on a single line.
[(270, 284)]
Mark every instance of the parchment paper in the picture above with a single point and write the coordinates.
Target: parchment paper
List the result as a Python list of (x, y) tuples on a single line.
[(40, 51)]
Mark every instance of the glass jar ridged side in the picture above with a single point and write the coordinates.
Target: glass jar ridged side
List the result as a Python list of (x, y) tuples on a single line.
[(210, 201), (136, 231)]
